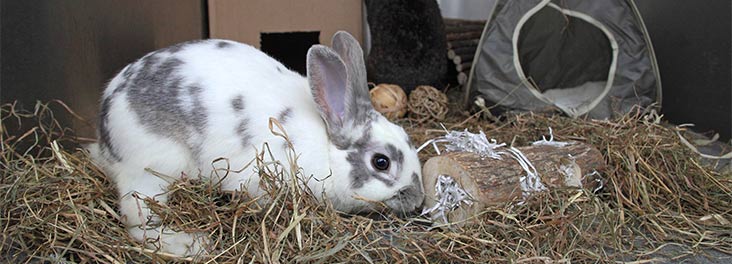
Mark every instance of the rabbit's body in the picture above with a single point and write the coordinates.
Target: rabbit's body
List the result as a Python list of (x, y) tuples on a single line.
[(178, 109), (229, 118)]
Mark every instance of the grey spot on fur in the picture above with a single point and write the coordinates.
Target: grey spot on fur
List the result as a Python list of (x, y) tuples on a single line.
[(279, 69), (284, 115), (343, 142), (164, 103), (395, 154), (223, 44), (362, 110), (160, 97), (360, 171), (243, 132), (286, 146), (362, 142), (340, 141), (105, 141), (409, 142), (127, 73), (238, 103), (175, 48), (416, 181), (180, 46), (120, 87), (198, 112), (241, 128)]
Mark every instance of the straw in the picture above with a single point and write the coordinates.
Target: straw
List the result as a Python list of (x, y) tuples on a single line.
[(57, 206)]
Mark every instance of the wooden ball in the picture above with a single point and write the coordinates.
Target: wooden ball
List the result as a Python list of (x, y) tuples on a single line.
[(389, 100), (426, 103)]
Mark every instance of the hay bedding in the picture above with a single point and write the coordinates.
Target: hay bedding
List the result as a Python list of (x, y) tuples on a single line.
[(58, 207)]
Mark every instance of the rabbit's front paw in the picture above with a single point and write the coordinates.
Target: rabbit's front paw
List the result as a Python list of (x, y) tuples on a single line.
[(180, 244), (186, 244)]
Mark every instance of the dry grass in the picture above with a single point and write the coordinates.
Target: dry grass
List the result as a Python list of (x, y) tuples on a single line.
[(58, 207)]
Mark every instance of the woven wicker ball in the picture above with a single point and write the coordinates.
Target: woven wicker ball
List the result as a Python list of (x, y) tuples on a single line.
[(426, 103), (389, 100)]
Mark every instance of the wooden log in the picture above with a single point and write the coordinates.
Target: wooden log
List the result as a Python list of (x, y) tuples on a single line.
[(463, 28), (462, 51), (459, 57), (463, 36), (455, 21), (464, 67), (450, 54), (462, 43), (491, 181), (463, 59), (462, 78)]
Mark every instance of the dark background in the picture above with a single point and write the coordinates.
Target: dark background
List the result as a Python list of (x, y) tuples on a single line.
[(69, 49), (692, 44)]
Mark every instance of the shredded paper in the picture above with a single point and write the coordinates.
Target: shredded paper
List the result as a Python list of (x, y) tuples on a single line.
[(550, 142), (466, 141), (449, 197)]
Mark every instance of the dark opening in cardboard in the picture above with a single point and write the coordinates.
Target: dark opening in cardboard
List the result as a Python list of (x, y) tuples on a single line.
[(290, 48)]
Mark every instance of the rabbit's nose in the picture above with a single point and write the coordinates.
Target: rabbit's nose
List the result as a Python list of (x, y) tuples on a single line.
[(407, 200)]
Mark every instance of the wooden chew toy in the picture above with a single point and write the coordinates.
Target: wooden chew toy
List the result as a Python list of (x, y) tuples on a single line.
[(389, 100), (492, 181)]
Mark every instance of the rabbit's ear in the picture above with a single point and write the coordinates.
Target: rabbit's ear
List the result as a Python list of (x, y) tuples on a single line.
[(337, 78), (328, 80), (350, 52)]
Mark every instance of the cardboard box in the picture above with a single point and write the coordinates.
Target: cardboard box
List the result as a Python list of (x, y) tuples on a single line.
[(246, 20)]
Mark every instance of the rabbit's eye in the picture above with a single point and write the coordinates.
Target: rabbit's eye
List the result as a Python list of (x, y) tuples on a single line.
[(380, 162)]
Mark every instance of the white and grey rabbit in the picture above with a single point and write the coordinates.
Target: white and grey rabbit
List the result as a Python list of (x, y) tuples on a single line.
[(178, 109)]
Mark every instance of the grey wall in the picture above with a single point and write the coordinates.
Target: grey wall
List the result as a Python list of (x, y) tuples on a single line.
[(69, 49), (692, 43)]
